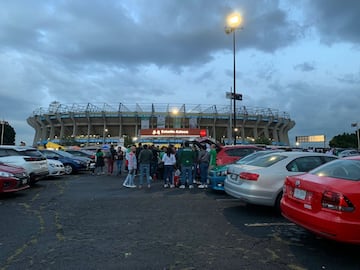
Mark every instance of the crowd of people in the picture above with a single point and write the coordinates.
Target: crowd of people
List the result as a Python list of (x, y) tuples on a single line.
[(176, 167)]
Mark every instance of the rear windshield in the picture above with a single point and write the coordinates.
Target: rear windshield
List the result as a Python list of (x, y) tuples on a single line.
[(239, 152), (347, 169), (31, 153), (267, 160), (28, 152)]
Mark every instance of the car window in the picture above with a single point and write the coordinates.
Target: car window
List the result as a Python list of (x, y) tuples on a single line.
[(304, 164), (31, 153), (344, 169), (239, 152), (329, 158), (267, 160), (49, 154), (65, 154), (251, 157)]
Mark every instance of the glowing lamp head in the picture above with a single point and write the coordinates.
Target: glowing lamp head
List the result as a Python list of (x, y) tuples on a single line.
[(234, 20)]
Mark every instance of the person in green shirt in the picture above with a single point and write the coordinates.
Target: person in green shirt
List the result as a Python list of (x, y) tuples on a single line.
[(186, 160), (213, 154)]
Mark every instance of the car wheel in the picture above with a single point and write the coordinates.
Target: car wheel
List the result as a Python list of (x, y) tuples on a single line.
[(32, 180), (68, 169), (277, 203)]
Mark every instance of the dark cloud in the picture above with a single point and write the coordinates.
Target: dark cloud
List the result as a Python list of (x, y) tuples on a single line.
[(350, 78), (161, 51), (336, 21), (306, 67)]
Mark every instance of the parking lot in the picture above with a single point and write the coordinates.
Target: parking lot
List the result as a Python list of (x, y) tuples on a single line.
[(92, 222)]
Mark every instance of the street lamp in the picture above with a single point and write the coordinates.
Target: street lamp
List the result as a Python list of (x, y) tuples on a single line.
[(233, 21), (104, 134)]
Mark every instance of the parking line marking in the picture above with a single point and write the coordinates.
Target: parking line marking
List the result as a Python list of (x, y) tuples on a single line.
[(269, 224)]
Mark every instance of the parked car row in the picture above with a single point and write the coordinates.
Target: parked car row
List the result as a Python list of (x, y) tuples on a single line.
[(318, 192), (23, 166)]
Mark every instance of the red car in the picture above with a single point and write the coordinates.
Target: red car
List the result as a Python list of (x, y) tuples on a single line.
[(13, 178), (231, 153), (326, 201)]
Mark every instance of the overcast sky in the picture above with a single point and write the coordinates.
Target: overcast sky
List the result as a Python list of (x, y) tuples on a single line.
[(300, 57)]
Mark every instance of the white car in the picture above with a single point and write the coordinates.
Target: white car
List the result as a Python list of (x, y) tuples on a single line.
[(32, 160), (261, 181), (56, 167), (348, 153)]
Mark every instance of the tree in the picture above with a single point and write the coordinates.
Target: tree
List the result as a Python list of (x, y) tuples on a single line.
[(263, 140), (7, 133), (345, 140)]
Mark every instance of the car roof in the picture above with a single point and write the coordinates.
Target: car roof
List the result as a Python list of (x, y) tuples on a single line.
[(241, 146), (352, 157), (18, 148), (300, 154)]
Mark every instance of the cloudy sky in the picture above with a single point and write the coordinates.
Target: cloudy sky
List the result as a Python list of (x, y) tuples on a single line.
[(300, 57)]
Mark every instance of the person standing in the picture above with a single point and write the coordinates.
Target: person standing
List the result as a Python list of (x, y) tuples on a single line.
[(145, 158), (169, 161), (154, 162), (119, 160), (186, 159), (213, 154), (204, 160), (132, 166), (99, 162), (111, 159)]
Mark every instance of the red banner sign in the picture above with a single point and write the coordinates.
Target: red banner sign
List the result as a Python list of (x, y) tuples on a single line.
[(173, 132)]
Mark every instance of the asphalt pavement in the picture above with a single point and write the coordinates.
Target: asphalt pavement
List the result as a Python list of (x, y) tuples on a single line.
[(93, 222)]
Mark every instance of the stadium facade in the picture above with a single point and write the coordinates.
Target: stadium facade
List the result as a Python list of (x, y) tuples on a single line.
[(98, 123)]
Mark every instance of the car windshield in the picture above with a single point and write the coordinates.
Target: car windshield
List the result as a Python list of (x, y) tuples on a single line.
[(348, 169), (31, 153), (267, 160), (65, 154)]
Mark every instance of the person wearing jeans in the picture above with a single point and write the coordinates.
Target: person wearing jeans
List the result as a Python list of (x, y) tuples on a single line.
[(186, 161), (204, 160), (132, 166), (145, 158), (169, 161)]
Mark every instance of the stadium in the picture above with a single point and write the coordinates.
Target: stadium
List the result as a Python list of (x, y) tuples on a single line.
[(91, 124)]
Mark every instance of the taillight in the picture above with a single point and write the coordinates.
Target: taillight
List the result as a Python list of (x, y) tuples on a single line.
[(288, 190), (336, 201), (31, 159), (249, 176)]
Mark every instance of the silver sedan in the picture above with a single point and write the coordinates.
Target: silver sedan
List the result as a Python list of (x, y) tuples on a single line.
[(261, 180)]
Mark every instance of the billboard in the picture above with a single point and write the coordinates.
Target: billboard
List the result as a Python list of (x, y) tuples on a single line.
[(307, 139)]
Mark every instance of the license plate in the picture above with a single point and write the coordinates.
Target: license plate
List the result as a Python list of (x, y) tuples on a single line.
[(299, 194)]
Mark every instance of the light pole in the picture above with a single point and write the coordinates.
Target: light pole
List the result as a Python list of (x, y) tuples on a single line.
[(357, 132), (104, 134), (2, 131), (233, 22)]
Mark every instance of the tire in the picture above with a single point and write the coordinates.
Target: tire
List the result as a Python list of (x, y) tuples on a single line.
[(277, 203), (68, 169), (32, 180)]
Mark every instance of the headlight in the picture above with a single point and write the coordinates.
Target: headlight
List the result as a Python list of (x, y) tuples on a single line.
[(52, 165), (6, 174), (221, 173)]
